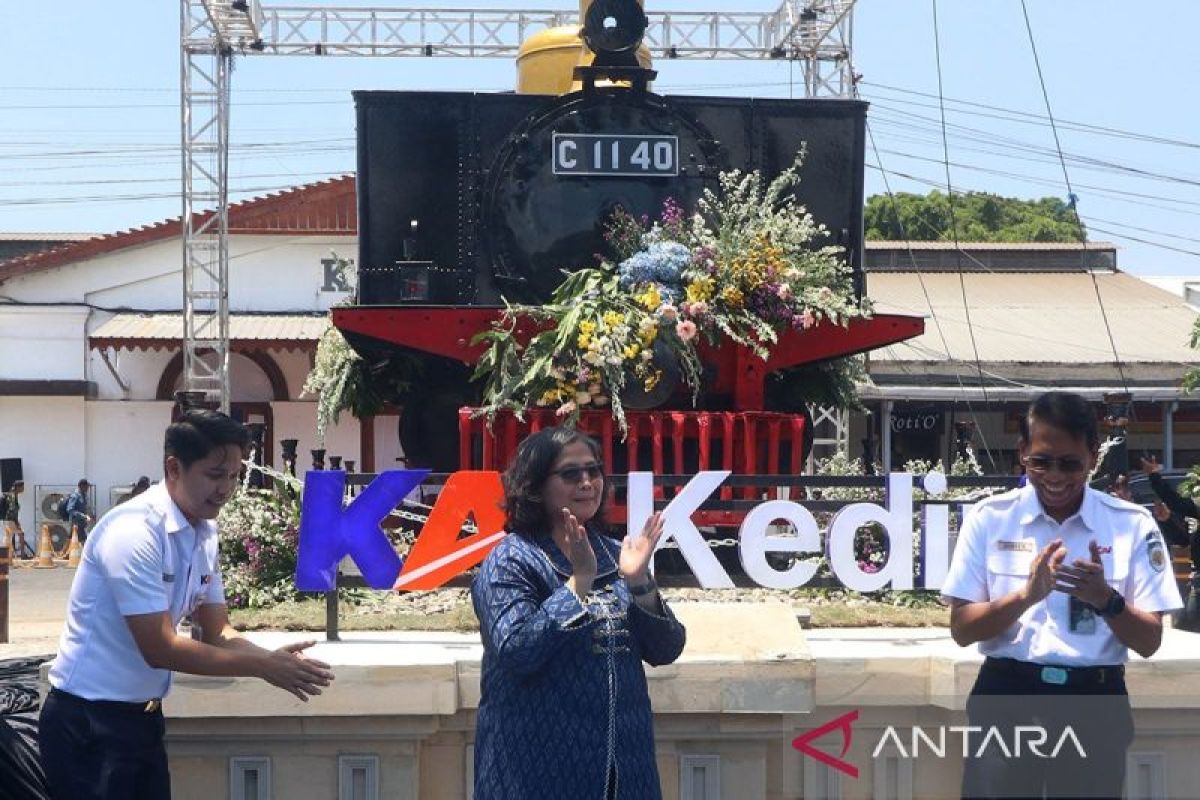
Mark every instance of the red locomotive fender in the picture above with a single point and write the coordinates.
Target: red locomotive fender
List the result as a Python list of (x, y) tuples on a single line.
[(447, 331)]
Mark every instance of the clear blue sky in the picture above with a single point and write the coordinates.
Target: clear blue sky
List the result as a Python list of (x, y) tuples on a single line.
[(89, 109)]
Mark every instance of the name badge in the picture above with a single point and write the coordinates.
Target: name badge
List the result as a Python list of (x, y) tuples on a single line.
[(1018, 546), (1082, 617)]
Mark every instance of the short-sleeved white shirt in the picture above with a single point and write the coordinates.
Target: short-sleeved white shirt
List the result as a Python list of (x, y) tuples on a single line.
[(1002, 535), (142, 557)]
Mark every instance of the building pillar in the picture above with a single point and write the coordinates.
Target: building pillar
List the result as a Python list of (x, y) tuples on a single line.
[(1168, 427), (885, 436), (366, 443)]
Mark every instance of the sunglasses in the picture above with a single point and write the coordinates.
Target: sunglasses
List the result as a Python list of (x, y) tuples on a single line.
[(1068, 465), (576, 474)]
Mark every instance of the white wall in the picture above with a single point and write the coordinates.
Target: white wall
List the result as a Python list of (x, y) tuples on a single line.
[(124, 441), (139, 370), (42, 342), (48, 434)]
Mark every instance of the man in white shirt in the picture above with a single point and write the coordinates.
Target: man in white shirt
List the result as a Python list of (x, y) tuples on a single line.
[(147, 564), (1056, 582)]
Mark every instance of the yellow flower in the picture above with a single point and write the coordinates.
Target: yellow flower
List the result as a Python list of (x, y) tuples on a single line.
[(650, 299), (612, 319), (652, 380), (584, 341), (700, 290), (587, 326), (631, 351), (733, 296)]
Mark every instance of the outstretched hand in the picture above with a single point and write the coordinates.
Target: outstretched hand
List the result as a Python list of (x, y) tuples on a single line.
[(636, 551), (1150, 465), (291, 670)]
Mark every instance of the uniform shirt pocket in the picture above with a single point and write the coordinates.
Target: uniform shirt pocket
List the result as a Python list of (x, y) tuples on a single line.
[(1008, 570), (1116, 566)]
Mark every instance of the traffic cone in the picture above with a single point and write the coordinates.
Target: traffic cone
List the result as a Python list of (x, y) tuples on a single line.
[(45, 555), (74, 548)]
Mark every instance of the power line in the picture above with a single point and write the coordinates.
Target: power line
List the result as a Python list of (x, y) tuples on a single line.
[(1071, 194)]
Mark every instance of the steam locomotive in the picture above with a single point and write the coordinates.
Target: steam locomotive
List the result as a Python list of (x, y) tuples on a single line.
[(469, 199)]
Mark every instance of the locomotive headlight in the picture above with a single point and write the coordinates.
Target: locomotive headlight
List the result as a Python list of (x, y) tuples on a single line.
[(614, 26)]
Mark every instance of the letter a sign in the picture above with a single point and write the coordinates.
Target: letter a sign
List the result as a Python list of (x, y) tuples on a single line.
[(329, 532)]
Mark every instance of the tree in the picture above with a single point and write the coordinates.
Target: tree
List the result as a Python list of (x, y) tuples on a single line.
[(978, 217)]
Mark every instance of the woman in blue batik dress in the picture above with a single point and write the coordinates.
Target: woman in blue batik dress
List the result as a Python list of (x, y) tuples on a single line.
[(567, 617)]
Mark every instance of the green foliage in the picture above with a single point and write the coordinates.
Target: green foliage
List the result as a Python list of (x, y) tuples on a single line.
[(1191, 378), (342, 380), (830, 383), (979, 217)]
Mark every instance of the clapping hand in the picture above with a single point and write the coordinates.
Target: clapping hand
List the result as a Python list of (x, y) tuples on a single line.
[(572, 540), (636, 551), (1042, 573), (1085, 579)]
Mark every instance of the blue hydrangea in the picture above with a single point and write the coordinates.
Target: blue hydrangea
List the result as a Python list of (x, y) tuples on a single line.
[(662, 263)]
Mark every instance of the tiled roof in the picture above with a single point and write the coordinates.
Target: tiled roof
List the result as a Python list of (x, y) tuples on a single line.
[(326, 207)]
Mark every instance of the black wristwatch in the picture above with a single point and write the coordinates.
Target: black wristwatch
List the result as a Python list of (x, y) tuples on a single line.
[(1114, 606)]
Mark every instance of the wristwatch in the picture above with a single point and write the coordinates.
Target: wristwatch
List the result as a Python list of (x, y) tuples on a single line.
[(644, 589), (1114, 606)]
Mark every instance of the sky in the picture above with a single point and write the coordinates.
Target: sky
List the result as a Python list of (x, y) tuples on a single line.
[(90, 119)]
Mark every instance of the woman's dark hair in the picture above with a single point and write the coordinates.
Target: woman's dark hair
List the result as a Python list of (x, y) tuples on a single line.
[(1066, 411), (201, 431), (528, 473)]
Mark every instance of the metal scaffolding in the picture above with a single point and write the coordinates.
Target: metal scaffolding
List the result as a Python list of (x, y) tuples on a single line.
[(814, 34)]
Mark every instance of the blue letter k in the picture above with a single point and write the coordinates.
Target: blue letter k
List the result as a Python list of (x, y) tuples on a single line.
[(328, 532)]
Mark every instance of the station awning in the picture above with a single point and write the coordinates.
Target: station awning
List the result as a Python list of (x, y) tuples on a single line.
[(247, 332)]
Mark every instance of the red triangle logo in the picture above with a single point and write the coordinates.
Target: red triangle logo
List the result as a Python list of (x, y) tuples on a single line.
[(439, 554), (803, 743)]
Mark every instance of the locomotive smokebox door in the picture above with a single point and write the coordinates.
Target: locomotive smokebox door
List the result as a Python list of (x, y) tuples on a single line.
[(555, 185)]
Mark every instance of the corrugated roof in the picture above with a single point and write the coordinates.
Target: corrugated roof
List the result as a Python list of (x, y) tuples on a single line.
[(880, 244), (42, 236), (1035, 318), (136, 331), (325, 207)]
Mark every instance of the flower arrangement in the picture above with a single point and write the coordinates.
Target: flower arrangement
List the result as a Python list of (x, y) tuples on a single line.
[(259, 534), (742, 267)]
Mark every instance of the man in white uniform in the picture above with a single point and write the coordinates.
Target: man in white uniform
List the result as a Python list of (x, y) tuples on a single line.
[(147, 564), (1056, 582)]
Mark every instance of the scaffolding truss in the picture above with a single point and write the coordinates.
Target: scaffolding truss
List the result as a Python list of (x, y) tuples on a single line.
[(814, 34)]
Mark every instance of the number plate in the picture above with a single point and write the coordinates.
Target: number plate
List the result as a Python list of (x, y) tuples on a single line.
[(611, 154)]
